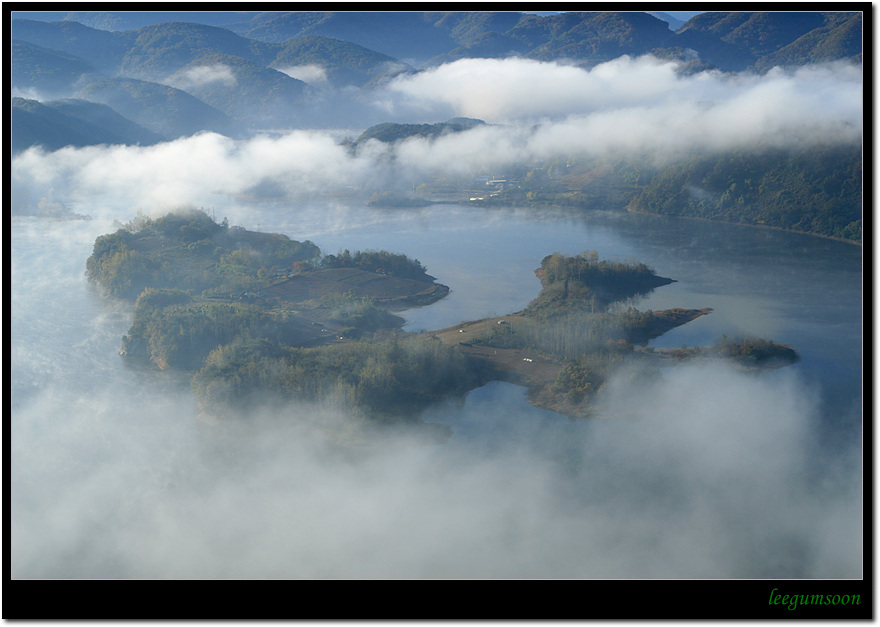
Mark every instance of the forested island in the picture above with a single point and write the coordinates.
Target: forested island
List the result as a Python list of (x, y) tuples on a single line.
[(259, 319)]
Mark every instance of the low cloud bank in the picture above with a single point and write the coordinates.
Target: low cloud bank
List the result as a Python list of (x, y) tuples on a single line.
[(310, 73), (623, 107), (703, 474), (203, 75)]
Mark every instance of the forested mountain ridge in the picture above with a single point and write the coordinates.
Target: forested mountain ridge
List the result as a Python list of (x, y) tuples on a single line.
[(60, 123), (161, 108), (161, 49), (745, 39), (45, 70), (156, 51), (241, 74), (760, 40), (390, 132), (245, 91), (343, 62), (344, 49), (818, 191), (732, 40)]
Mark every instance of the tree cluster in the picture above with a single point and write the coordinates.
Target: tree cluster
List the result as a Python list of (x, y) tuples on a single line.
[(188, 250), (392, 264), (584, 282), (383, 379), (815, 191)]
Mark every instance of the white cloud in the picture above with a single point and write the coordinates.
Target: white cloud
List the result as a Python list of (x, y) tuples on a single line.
[(505, 90), (676, 485), (627, 106), (310, 73), (203, 75)]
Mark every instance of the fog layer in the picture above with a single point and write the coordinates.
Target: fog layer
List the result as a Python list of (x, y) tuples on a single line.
[(704, 472), (702, 475), (536, 111)]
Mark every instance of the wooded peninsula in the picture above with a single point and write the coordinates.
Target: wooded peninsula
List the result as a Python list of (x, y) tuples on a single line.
[(257, 319)]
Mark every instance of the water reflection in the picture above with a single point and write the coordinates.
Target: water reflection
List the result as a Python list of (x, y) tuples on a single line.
[(706, 474)]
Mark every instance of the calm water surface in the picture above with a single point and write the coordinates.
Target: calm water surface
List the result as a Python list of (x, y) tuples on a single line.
[(794, 289), (106, 482)]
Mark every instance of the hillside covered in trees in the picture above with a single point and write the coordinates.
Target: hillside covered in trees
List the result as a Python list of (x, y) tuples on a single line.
[(199, 285), (817, 191), (276, 53), (257, 319)]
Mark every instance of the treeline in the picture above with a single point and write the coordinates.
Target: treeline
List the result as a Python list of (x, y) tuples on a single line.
[(189, 250), (569, 335), (174, 331), (584, 282), (754, 351), (359, 315), (393, 264), (390, 132), (816, 190), (382, 380)]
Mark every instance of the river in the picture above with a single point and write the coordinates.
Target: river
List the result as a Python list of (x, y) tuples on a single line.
[(710, 472)]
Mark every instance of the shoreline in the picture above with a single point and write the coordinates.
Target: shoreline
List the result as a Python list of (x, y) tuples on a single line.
[(760, 226), (468, 203)]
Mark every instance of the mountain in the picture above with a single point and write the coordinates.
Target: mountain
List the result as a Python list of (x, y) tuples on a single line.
[(739, 41), (485, 46), (343, 63), (840, 37), (60, 123), (101, 49), (161, 49), (390, 132), (817, 190), (593, 37), (758, 33), (160, 108), (731, 41), (408, 36), (45, 70), (243, 90), (132, 20), (466, 27), (177, 78), (674, 22)]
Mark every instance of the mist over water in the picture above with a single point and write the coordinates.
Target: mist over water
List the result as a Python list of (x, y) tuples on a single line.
[(703, 472), (706, 472)]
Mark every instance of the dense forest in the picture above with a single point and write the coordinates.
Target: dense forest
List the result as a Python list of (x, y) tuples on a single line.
[(389, 132), (586, 278), (816, 191), (129, 61), (190, 251), (388, 381), (199, 284), (388, 378), (256, 318), (202, 287)]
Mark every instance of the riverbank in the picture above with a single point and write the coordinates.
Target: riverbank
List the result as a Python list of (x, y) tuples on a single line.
[(759, 226)]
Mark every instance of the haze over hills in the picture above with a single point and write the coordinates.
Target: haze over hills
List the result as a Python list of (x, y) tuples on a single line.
[(229, 60), (260, 220), (161, 108), (58, 123), (388, 80)]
